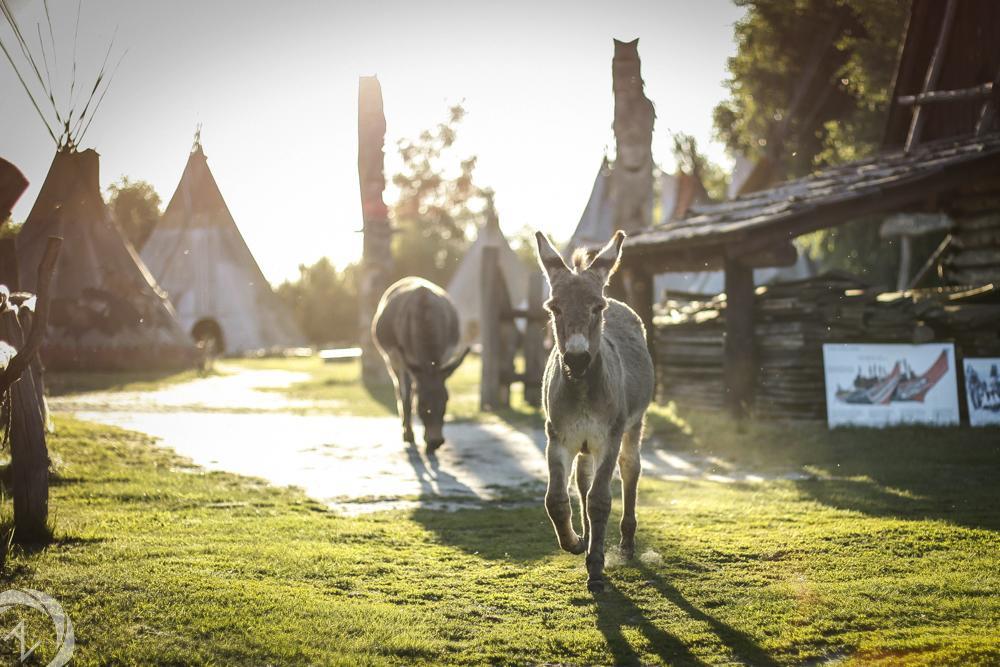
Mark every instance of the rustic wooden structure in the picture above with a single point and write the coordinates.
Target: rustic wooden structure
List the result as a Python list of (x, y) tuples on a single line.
[(376, 254), (20, 374), (941, 157), (757, 229), (501, 339)]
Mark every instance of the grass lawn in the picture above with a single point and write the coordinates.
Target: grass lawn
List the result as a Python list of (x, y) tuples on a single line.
[(890, 555)]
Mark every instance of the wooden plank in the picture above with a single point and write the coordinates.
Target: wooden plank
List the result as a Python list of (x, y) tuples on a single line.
[(534, 340), (29, 455), (489, 331), (980, 92)]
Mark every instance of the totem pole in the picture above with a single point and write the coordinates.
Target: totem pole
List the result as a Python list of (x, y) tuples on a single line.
[(632, 177), (376, 257)]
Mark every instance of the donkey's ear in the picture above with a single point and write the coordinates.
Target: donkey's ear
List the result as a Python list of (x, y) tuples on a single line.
[(548, 257), (606, 261), (453, 365)]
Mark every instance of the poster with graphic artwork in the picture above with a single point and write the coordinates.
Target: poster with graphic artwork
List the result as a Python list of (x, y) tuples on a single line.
[(982, 390), (883, 385)]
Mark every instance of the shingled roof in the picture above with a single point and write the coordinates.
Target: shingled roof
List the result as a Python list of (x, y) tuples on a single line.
[(760, 220)]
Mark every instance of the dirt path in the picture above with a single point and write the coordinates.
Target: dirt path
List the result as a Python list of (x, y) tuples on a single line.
[(237, 423)]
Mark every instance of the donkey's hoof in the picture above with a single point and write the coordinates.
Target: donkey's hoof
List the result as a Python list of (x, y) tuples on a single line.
[(408, 437), (595, 586), (433, 447), (627, 552), (577, 548)]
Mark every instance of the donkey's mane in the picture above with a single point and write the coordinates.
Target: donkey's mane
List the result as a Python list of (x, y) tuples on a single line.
[(588, 258), (582, 257)]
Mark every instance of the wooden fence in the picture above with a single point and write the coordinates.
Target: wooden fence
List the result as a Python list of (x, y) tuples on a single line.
[(501, 339)]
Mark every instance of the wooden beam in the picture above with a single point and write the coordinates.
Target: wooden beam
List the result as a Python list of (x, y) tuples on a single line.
[(641, 296), (980, 92), (489, 331), (710, 258), (534, 340), (739, 366), (933, 73)]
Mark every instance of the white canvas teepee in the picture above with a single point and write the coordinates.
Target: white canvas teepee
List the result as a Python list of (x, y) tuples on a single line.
[(464, 287), (200, 258)]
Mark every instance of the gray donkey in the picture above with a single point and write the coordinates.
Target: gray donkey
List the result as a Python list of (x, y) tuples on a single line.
[(598, 383), (416, 331)]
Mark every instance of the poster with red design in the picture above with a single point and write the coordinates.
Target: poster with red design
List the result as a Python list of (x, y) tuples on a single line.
[(888, 384)]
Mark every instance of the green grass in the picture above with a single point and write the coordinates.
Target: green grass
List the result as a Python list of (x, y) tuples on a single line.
[(161, 563), (340, 385), (66, 383)]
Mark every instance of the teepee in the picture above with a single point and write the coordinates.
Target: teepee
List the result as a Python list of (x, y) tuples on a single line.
[(464, 287), (198, 255), (106, 310)]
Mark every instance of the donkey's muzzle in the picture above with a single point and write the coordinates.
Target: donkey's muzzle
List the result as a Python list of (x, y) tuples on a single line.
[(576, 363)]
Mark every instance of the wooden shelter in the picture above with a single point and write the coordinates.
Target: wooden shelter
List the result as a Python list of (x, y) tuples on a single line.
[(942, 156)]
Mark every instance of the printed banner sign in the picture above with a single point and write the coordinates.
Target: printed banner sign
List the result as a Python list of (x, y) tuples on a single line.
[(982, 390), (882, 385)]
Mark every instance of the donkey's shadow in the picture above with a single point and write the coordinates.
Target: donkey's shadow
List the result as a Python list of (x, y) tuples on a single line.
[(616, 610)]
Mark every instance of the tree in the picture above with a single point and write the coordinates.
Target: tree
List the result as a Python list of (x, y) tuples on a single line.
[(810, 86), (812, 76), (436, 212), (324, 302), (135, 206)]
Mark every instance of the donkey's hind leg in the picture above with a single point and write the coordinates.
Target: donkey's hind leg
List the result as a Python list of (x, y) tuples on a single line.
[(404, 391), (630, 466)]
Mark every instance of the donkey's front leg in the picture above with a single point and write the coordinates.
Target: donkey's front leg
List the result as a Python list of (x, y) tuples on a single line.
[(557, 494), (598, 510)]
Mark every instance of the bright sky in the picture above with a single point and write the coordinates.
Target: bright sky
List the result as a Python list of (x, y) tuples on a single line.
[(274, 85)]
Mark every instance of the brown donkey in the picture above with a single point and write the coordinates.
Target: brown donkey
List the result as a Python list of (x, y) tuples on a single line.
[(598, 383), (416, 330)]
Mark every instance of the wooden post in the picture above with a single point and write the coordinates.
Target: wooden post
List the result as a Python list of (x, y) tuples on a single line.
[(739, 364), (489, 331), (28, 452), (641, 298), (534, 341), (376, 257)]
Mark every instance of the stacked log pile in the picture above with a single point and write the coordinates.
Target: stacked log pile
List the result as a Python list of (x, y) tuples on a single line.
[(793, 320), (969, 317), (974, 253), (688, 344)]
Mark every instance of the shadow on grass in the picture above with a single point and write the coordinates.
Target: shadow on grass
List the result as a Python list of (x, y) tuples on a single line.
[(616, 611), (906, 472), (521, 533), (64, 383)]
